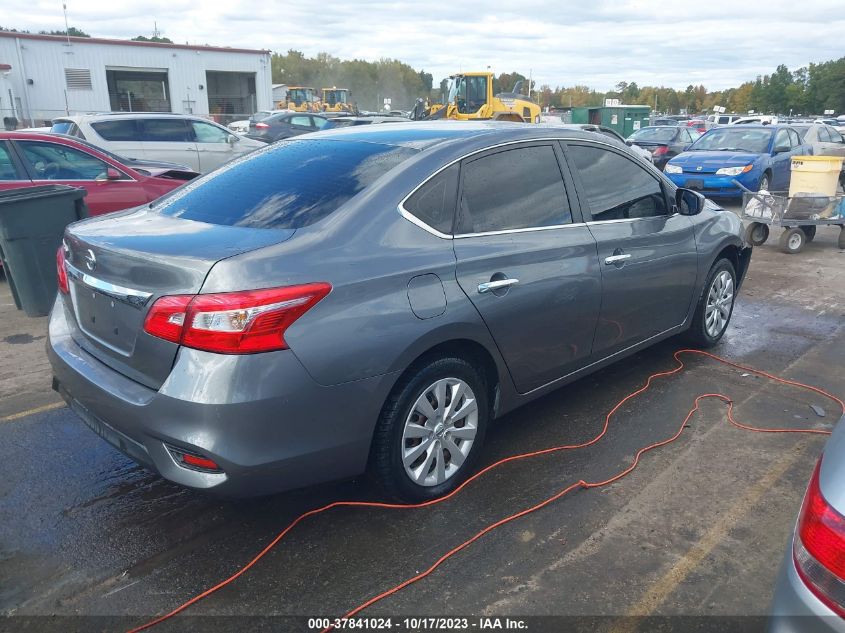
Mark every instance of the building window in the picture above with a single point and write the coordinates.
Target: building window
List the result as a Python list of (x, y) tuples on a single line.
[(78, 79), (138, 90)]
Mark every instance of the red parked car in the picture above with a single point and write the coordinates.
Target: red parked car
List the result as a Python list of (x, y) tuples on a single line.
[(113, 183), (699, 125)]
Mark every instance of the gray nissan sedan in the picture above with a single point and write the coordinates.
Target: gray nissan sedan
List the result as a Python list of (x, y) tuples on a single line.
[(370, 298)]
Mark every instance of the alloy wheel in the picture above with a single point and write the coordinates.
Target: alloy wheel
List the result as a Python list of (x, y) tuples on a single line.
[(439, 432), (719, 303)]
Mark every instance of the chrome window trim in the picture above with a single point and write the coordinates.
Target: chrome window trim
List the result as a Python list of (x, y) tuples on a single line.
[(415, 220), (135, 298)]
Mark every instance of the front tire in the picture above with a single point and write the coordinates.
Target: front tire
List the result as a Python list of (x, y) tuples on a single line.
[(715, 306), (431, 430), (765, 183)]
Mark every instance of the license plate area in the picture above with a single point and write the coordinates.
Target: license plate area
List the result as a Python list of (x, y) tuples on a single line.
[(694, 183), (104, 319)]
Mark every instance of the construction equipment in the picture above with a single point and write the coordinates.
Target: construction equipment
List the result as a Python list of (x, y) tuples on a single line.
[(337, 100), (470, 97), (300, 99)]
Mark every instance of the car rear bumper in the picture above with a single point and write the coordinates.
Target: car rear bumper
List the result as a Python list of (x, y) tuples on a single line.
[(261, 417), (795, 609)]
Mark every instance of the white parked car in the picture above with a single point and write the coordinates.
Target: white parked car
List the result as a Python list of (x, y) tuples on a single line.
[(824, 139), (179, 138), (715, 120), (756, 119)]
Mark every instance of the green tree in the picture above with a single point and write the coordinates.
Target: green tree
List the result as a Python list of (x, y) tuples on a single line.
[(155, 38), (72, 31)]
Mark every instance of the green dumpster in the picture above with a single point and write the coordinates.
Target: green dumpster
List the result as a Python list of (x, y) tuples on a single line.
[(32, 222)]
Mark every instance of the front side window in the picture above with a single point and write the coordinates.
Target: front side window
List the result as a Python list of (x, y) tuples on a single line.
[(616, 188), (319, 122), (794, 138), (835, 136), (514, 189), (165, 130), (52, 161), (434, 202), (207, 133)]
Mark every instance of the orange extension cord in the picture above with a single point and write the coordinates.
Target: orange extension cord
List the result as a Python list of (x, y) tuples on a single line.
[(513, 458)]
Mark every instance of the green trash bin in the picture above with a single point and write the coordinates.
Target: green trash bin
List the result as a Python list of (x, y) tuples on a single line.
[(32, 222)]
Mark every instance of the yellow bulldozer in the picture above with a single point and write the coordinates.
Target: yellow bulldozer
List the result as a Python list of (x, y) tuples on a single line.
[(470, 97), (300, 99), (337, 100)]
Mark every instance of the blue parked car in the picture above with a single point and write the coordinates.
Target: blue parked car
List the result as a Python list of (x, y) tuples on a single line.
[(758, 156)]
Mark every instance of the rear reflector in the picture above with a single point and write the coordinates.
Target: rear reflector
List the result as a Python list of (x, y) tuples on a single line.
[(819, 547), (61, 271), (233, 322), (193, 461)]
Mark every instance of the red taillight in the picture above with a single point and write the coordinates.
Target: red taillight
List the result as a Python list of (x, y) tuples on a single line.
[(819, 548), (167, 317), (61, 271), (233, 322), (261, 126), (659, 151)]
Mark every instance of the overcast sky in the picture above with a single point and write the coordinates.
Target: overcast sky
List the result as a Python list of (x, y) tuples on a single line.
[(564, 42)]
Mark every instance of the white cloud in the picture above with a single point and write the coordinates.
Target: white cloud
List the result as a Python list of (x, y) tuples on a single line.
[(562, 43)]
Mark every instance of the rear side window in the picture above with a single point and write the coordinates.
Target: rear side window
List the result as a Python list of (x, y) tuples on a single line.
[(117, 130), (514, 189), (165, 130), (616, 188), (434, 202), (823, 134), (288, 185), (7, 167)]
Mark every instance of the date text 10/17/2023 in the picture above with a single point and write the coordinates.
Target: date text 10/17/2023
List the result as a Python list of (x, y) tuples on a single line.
[(409, 624)]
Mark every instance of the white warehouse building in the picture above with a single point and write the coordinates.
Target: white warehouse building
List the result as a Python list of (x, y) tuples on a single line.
[(44, 76)]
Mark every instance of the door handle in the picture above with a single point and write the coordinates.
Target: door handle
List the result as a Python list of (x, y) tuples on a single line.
[(495, 285), (615, 259)]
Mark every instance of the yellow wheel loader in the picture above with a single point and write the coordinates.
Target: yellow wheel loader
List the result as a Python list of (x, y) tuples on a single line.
[(300, 99), (336, 100), (470, 97)]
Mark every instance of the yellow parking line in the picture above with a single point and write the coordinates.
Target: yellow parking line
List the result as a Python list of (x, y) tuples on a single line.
[(665, 585), (28, 412)]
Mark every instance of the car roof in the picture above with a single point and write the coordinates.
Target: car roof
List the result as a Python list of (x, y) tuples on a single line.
[(104, 116), (421, 135)]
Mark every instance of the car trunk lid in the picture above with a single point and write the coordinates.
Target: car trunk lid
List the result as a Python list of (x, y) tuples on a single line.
[(120, 264)]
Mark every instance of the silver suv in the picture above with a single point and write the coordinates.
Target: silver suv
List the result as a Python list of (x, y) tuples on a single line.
[(178, 138)]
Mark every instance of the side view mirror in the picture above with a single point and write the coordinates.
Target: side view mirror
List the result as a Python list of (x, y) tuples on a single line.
[(110, 174), (232, 139), (780, 149), (689, 202)]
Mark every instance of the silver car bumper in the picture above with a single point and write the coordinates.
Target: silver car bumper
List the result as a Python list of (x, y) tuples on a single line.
[(795, 609), (261, 417)]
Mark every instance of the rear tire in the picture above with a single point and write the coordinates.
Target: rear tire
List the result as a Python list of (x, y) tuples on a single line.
[(414, 416), (757, 233), (715, 306), (792, 240)]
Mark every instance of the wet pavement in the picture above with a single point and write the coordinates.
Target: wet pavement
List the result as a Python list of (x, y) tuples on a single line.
[(699, 529)]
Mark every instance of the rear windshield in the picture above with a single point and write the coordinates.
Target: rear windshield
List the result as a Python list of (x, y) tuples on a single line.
[(61, 127), (654, 134), (285, 186)]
